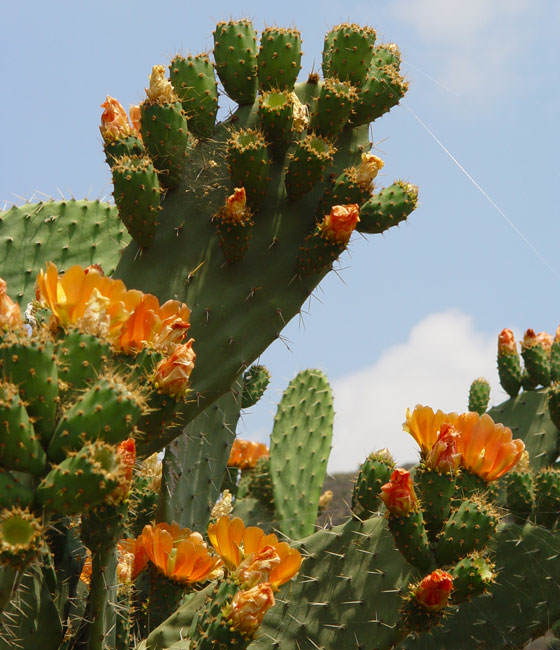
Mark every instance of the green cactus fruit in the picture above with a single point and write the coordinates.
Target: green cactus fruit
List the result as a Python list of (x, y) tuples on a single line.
[(107, 411), (479, 396), (472, 576), (83, 480), (388, 208), (555, 357), (260, 483), (318, 252), (137, 196), (276, 118), (520, 494), (307, 164), (279, 58), (374, 472), (234, 234), (130, 145), (347, 188), (249, 164), (537, 359), (383, 89), (168, 141), (20, 448), (255, 382), (299, 451), (468, 529), (554, 403), (547, 497), (21, 537), (81, 358), (194, 83), (68, 232), (386, 54), (435, 490), (14, 491), (235, 54), (30, 364), (409, 533), (350, 53), (417, 619), (509, 363), (332, 108)]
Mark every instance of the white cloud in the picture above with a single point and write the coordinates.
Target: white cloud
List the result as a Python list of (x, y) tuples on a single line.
[(476, 42), (435, 366)]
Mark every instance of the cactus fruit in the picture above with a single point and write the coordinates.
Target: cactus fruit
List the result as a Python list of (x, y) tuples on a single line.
[(375, 471), (255, 382), (479, 396), (535, 350), (472, 576), (509, 364)]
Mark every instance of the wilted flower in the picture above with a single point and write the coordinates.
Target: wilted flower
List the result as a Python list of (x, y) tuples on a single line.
[(236, 206), (160, 89), (114, 121), (443, 456), (222, 507), (10, 313), (172, 374), (248, 608), (398, 494), (325, 499), (135, 119), (368, 169), (506, 342), (423, 425), (244, 454), (433, 591), (256, 567), (340, 223)]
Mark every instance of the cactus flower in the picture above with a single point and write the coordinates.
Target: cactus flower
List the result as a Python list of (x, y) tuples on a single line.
[(368, 169), (506, 342), (135, 119), (487, 448), (172, 374), (256, 567), (423, 425), (160, 90), (244, 454), (248, 608), (236, 206), (398, 494), (340, 223), (114, 121), (178, 553), (433, 591), (234, 542), (443, 456), (131, 561), (10, 314)]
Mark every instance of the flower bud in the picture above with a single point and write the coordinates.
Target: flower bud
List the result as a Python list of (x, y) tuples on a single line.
[(172, 374), (340, 223), (398, 495), (443, 456), (433, 591), (249, 607)]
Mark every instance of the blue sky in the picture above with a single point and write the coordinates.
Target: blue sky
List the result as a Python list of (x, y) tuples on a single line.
[(413, 315)]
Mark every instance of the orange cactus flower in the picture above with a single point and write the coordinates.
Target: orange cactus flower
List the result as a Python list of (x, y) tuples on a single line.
[(245, 453), (423, 425), (114, 121), (132, 560), (398, 494), (248, 608), (234, 542), (487, 448), (340, 223), (256, 567), (10, 313), (443, 456), (135, 119), (178, 553), (433, 591), (172, 374), (506, 342)]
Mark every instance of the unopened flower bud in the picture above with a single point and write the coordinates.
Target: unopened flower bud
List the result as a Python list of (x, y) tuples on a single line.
[(443, 456), (433, 591), (398, 494)]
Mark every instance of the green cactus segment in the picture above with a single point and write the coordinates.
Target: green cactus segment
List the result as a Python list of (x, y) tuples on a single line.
[(83, 480), (509, 371), (547, 497), (528, 382), (299, 450), (249, 165), (279, 58), (131, 145), (276, 117), (137, 195), (20, 448), (81, 358), (555, 360), (194, 82), (65, 232), (388, 208), (235, 54), (512, 614), (255, 382), (107, 411), (479, 396), (472, 576), (345, 190), (435, 490), (234, 236), (519, 494), (375, 471), (350, 52), (160, 415), (554, 403), (527, 417), (327, 53), (468, 529), (537, 364), (386, 54), (383, 89), (307, 165), (20, 537), (14, 492), (332, 108), (168, 141), (409, 533), (31, 365)]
